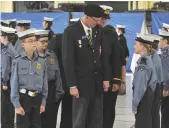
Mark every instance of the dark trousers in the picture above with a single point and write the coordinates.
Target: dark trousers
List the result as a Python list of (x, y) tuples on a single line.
[(66, 113), (31, 106), (7, 110), (109, 104), (88, 112), (144, 116), (165, 112), (156, 108), (49, 117)]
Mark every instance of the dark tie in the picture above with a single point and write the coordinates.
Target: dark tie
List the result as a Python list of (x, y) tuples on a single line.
[(89, 37)]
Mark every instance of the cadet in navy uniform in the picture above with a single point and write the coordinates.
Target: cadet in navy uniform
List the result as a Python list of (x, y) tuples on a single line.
[(122, 40), (164, 45), (5, 23), (144, 83), (47, 24), (29, 83), (22, 25), (7, 55), (55, 91), (110, 52), (83, 70)]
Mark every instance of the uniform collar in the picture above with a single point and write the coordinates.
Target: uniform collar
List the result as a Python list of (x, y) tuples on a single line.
[(23, 54), (142, 56), (85, 28), (165, 48), (47, 53)]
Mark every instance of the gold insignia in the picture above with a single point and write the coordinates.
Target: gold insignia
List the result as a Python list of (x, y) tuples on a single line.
[(52, 61), (107, 12), (38, 66), (54, 36)]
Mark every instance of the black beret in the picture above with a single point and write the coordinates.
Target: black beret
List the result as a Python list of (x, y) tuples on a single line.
[(93, 10)]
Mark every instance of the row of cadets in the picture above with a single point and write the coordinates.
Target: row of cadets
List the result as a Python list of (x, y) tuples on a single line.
[(7, 55)]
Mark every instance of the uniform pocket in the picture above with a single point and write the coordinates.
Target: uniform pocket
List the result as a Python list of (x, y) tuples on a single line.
[(51, 70), (23, 71)]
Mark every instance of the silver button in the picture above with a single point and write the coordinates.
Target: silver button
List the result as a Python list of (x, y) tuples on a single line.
[(94, 61), (93, 50), (95, 72)]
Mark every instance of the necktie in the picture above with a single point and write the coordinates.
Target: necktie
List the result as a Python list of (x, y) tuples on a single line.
[(89, 37)]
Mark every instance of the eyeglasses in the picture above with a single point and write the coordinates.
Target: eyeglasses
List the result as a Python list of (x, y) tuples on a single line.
[(30, 41), (44, 41), (94, 19)]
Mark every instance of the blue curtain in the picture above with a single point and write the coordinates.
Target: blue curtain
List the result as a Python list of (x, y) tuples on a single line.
[(133, 22), (157, 20), (59, 24)]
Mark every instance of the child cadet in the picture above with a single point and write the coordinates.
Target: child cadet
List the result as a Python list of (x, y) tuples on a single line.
[(7, 55), (144, 83), (164, 45), (29, 86), (55, 91)]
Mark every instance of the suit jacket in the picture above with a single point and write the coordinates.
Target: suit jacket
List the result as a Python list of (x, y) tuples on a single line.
[(82, 61)]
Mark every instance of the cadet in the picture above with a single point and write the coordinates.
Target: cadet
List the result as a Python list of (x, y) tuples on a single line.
[(29, 84), (144, 83), (22, 25), (47, 24), (7, 55), (164, 45), (55, 91), (122, 40), (83, 70), (157, 94)]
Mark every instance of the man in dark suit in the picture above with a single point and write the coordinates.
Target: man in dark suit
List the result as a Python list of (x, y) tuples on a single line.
[(83, 70)]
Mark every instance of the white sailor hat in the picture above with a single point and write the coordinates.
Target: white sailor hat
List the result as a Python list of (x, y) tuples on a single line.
[(26, 33), (153, 36), (48, 19), (120, 26), (166, 25), (42, 33), (146, 39), (163, 33), (7, 30), (23, 22), (6, 22), (74, 20)]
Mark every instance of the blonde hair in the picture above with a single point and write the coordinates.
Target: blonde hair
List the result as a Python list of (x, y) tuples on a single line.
[(149, 49)]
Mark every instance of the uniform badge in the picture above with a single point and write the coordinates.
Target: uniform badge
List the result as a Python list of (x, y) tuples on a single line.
[(54, 36), (51, 61), (38, 66), (80, 43)]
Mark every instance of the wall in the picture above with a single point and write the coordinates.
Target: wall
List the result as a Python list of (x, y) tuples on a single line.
[(6, 6)]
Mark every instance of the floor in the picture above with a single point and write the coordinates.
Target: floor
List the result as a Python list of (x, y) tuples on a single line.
[(124, 116)]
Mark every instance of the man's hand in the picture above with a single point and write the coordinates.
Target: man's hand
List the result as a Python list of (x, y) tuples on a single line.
[(127, 59), (4, 87), (42, 109), (122, 87), (74, 92), (106, 85), (165, 93), (20, 111), (115, 88)]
